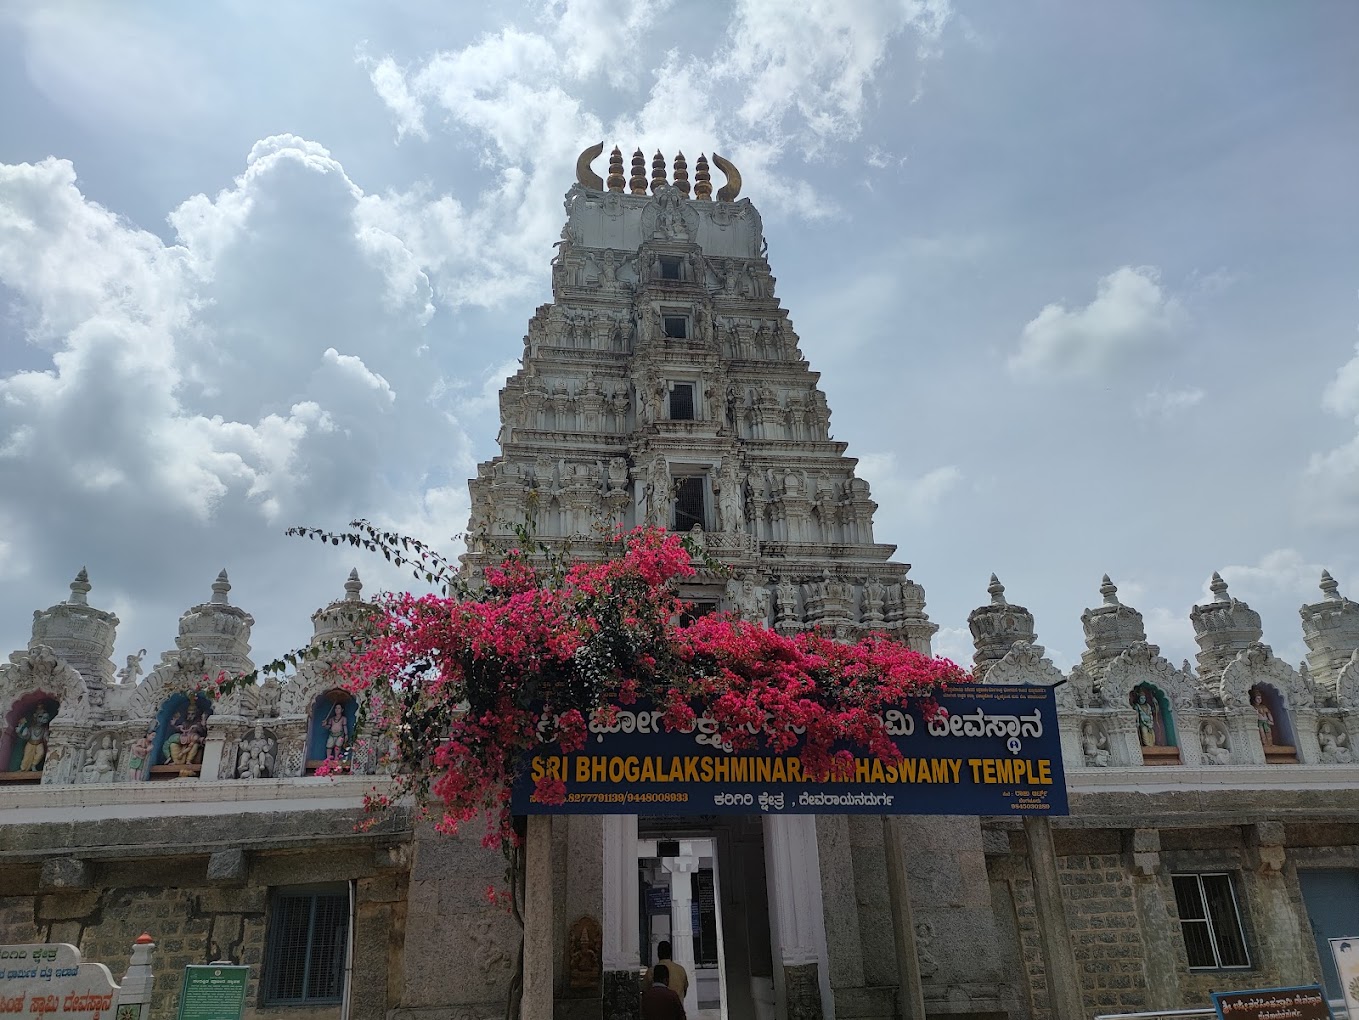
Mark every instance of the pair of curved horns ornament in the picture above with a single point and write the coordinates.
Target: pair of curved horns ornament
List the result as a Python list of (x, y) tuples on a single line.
[(587, 178)]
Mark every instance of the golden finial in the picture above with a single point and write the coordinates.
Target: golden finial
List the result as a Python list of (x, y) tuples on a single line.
[(586, 176), (681, 173), (616, 178), (657, 171), (703, 182), (637, 183), (728, 191)]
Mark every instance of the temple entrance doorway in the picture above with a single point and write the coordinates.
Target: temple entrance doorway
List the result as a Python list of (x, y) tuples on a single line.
[(702, 888)]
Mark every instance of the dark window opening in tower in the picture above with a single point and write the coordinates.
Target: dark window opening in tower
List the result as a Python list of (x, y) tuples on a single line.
[(689, 503), (670, 267), (698, 608), (676, 327), (682, 402)]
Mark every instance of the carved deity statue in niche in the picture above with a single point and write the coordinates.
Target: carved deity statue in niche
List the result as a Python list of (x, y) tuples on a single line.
[(257, 756), (32, 730), (1150, 726), (1094, 745), (103, 762), (585, 946), (188, 733), (337, 732), (1334, 743), (1264, 718), (139, 755), (1213, 739)]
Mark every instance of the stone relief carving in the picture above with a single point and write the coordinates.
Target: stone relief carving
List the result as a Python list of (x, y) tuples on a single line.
[(1095, 744), (256, 755), (1334, 743), (1024, 664), (1257, 664), (129, 673), (1216, 742), (101, 760), (585, 948), (924, 940), (490, 954)]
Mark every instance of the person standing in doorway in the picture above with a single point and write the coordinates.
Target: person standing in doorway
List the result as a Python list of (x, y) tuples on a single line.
[(678, 981), (660, 1001)]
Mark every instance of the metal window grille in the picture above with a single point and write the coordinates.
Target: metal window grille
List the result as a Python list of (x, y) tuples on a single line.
[(670, 268), (676, 327), (689, 503), (305, 958), (682, 402), (1210, 922)]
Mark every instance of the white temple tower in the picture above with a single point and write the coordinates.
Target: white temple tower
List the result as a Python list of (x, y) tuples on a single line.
[(663, 384)]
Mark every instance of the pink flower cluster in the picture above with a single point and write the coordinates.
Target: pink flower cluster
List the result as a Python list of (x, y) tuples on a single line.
[(463, 687)]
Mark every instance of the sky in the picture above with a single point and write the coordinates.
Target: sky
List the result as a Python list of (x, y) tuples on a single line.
[(1082, 281)]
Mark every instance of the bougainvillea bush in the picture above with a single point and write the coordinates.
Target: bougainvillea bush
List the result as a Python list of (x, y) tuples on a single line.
[(461, 685)]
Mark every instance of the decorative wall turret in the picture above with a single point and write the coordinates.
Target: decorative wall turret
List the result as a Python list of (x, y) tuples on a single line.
[(1110, 630), (1331, 629), (219, 629), (997, 627), (1222, 628), (81, 635), (338, 621)]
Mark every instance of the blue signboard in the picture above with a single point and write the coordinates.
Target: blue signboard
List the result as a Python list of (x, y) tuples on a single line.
[(657, 899), (995, 750)]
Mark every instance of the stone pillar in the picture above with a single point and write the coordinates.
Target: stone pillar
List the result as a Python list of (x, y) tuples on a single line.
[(1305, 720), (798, 929), (1059, 962), (1154, 899), (538, 921), (622, 954), (681, 871), (139, 979), (912, 990)]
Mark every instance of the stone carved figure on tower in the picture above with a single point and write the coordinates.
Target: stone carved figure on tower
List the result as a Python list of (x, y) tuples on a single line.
[(257, 756), (1334, 743), (139, 755), (188, 732), (1094, 744), (1214, 741), (1264, 718), (1149, 727), (337, 732), (102, 761), (33, 730), (730, 501), (129, 673)]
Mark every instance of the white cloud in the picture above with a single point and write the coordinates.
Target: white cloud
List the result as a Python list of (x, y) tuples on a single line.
[(813, 63), (1330, 492), (1342, 393), (1163, 403), (604, 35), (918, 498), (954, 644), (790, 77), (197, 395), (1131, 313), (1283, 572), (1171, 630), (389, 82), (354, 368)]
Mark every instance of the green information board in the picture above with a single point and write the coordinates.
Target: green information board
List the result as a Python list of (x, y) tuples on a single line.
[(213, 992)]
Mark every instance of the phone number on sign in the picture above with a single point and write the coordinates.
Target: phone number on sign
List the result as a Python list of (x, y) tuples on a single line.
[(626, 797)]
